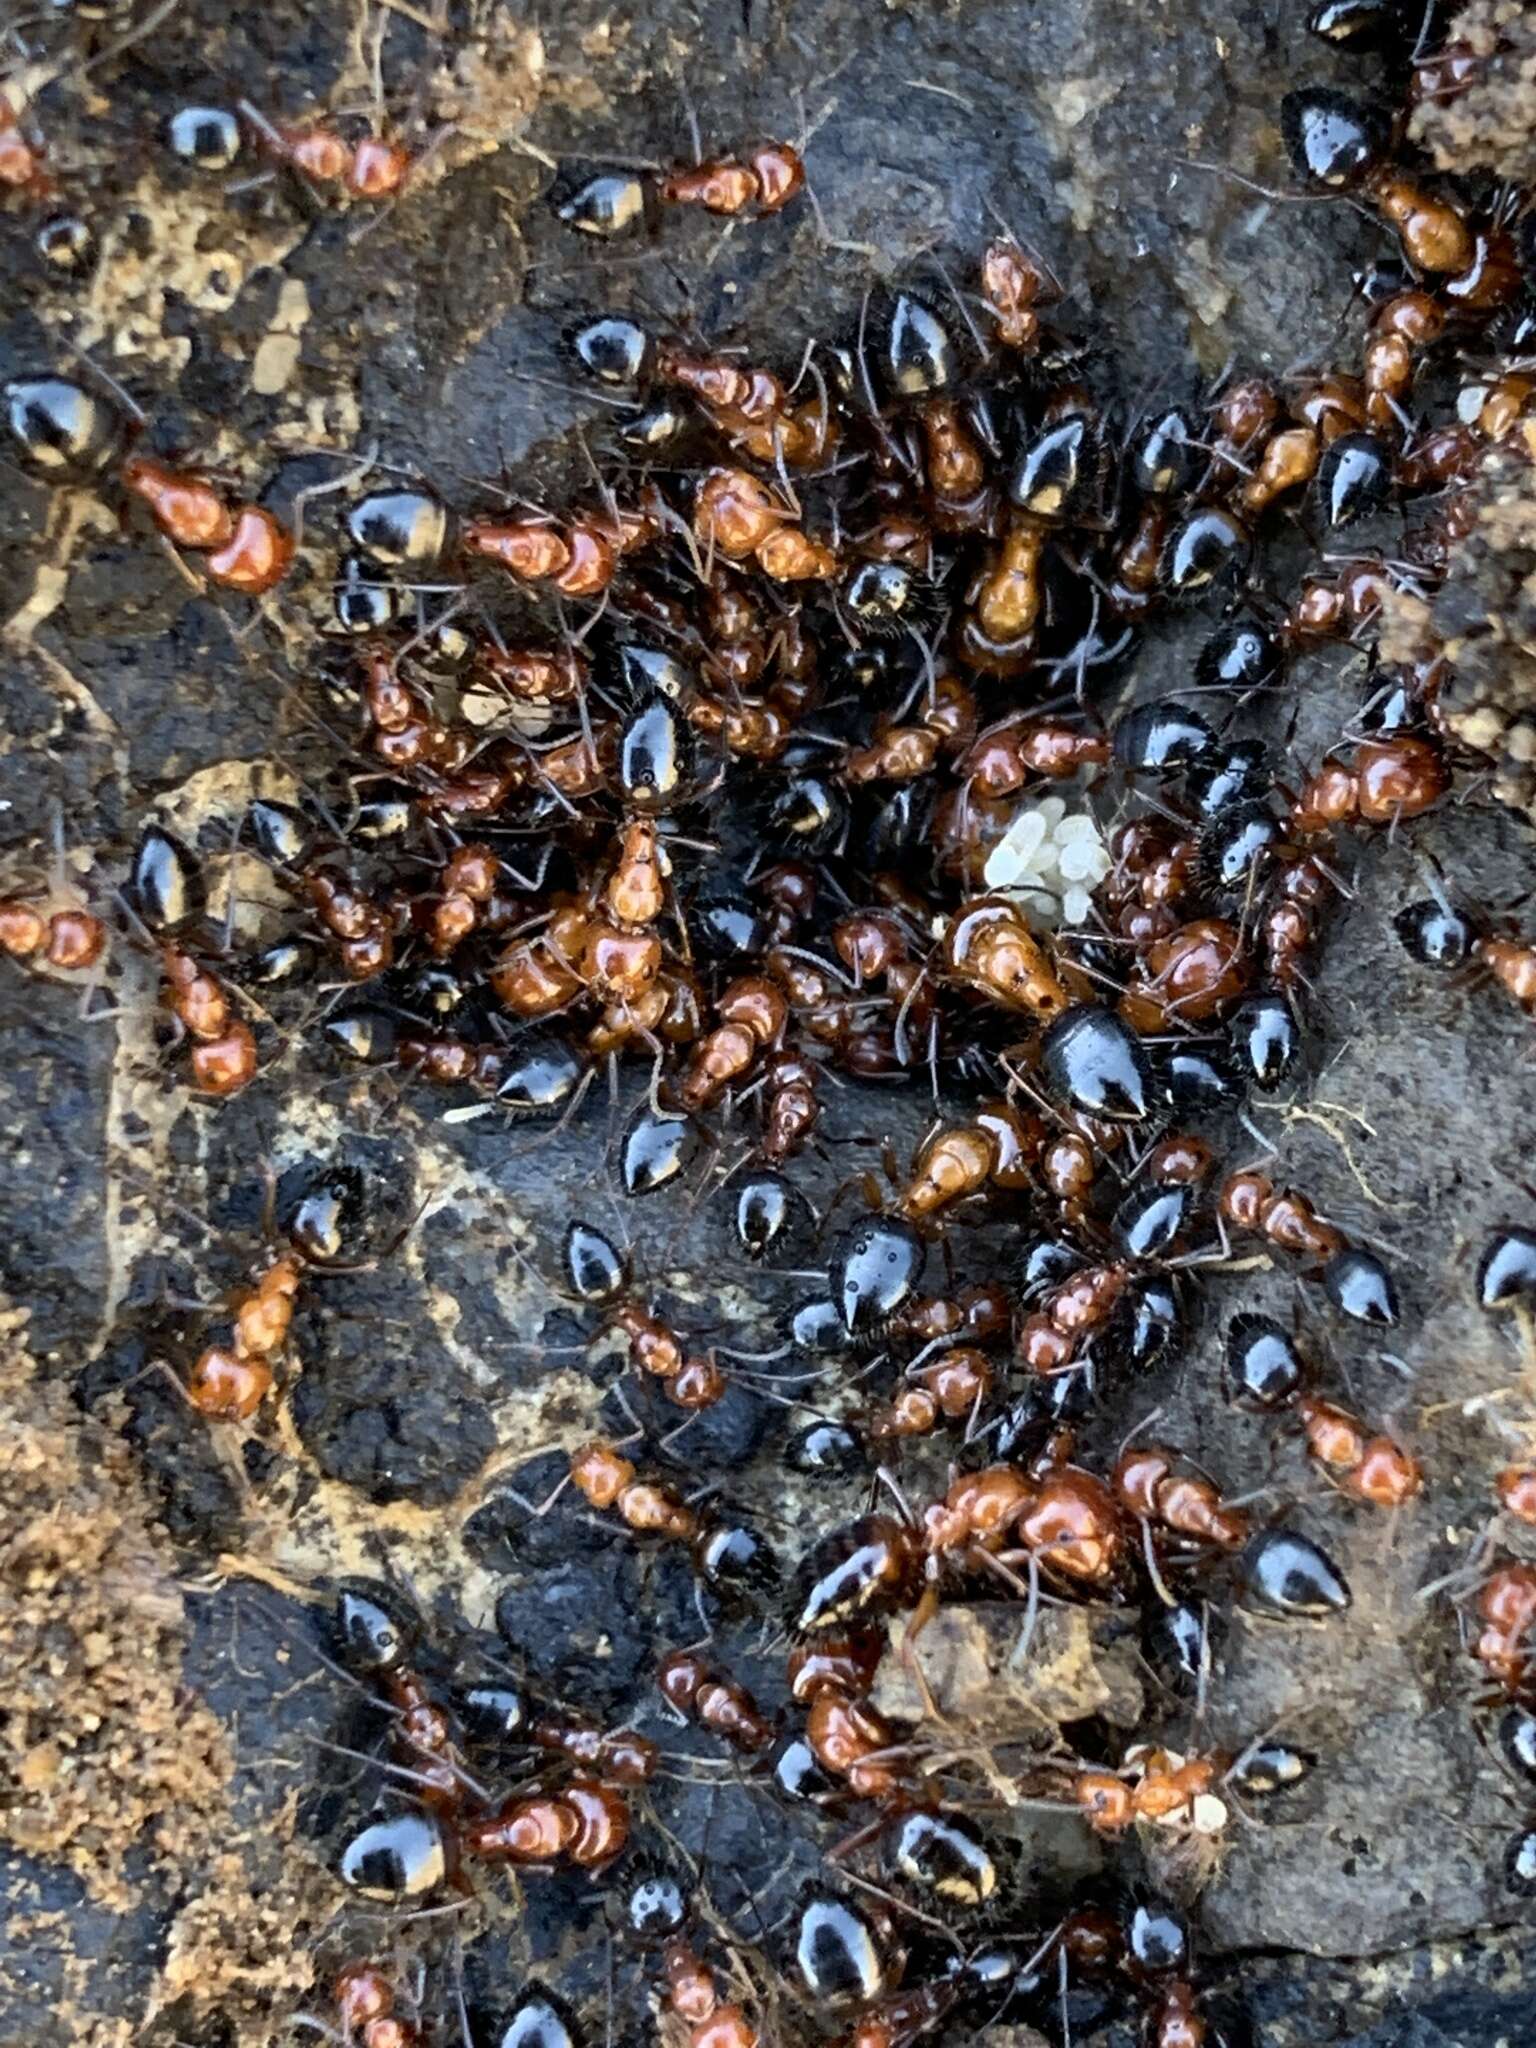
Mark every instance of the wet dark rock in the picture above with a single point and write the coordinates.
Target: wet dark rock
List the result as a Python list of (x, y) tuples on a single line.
[(580, 1628), (440, 355), (398, 1420)]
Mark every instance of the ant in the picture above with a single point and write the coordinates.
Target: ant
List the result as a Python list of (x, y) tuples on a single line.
[(1355, 1280), (228, 1382), (1265, 1370), (760, 183), (364, 1997), (598, 1275), (370, 168), (1436, 934), (68, 938), (166, 894), (584, 1821), (693, 1998), (243, 546)]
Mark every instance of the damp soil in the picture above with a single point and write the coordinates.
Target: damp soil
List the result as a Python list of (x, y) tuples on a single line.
[(173, 1761)]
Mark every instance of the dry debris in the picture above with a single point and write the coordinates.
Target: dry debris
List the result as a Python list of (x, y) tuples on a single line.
[(102, 1750), (1491, 124), (1483, 619)]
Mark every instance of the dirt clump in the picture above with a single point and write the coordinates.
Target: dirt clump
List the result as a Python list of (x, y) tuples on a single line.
[(106, 1760), (100, 1750), (245, 1949), (1490, 124), (1483, 621)]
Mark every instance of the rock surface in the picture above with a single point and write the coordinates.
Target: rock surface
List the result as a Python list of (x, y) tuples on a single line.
[(986, 1674), (257, 329)]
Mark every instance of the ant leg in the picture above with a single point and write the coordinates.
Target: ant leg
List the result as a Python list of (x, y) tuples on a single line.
[(886, 1478), (758, 1357), (548, 1502), (926, 1608), (1154, 1571), (348, 477), (1136, 1428), (1032, 1600), (268, 1199), (859, 1839), (665, 1443)]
